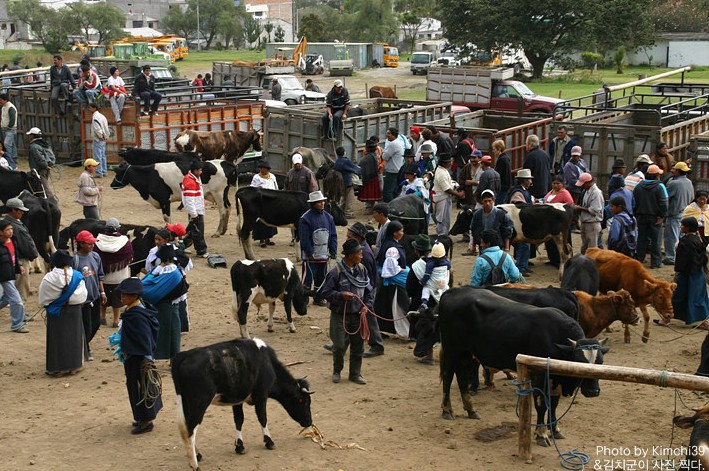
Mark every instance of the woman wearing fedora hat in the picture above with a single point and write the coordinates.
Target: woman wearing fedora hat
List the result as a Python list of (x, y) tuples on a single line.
[(520, 194), (264, 179), (371, 191)]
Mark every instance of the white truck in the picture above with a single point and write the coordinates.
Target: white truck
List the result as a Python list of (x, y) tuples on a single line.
[(292, 91), (422, 61)]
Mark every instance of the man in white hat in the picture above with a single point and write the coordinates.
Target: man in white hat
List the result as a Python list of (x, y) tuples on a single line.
[(318, 241), (337, 102), (41, 158), (25, 248), (641, 164), (590, 211), (520, 194)]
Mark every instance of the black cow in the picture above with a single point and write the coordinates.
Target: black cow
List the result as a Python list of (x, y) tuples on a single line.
[(14, 182), (698, 449), (42, 220), (333, 185), (160, 184), (263, 282), (409, 211), (478, 323), (581, 274), (356, 111), (142, 238), (138, 156), (533, 223), (229, 374), (274, 208)]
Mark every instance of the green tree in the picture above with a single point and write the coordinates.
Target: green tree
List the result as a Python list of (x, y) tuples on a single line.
[(268, 27), (48, 25), (252, 30), (685, 16), (180, 22), (279, 34), (209, 13), (108, 21), (412, 17), (231, 28), (312, 27), (544, 29), (370, 20)]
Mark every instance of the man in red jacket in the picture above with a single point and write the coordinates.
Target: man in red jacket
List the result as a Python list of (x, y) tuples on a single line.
[(193, 200)]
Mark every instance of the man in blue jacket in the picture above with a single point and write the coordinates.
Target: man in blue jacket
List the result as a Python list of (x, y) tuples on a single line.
[(346, 167), (650, 210), (318, 241)]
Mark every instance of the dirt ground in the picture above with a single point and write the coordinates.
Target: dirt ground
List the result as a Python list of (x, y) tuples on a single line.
[(84, 421)]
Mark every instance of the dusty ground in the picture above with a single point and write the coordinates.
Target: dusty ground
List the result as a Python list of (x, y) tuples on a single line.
[(83, 421)]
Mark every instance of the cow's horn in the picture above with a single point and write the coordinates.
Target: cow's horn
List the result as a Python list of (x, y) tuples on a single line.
[(572, 342), (306, 391)]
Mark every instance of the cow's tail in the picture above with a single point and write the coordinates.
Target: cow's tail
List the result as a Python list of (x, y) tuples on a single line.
[(239, 217), (443, 363)]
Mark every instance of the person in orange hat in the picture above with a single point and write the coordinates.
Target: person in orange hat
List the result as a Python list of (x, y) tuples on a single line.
[(416, 138), (590, 211), (88, 263), (650, 209), (680, 193)]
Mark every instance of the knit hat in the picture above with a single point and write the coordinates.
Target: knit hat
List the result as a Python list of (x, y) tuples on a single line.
[(351, 246), (422, 243), (113, 223), (438, 251), (166, 253), (131, 286), (60, 259)]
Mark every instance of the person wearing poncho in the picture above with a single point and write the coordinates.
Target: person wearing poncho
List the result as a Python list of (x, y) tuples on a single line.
[(116, 254), (391, 301), (63, 292), (164, 287), (139, 336)]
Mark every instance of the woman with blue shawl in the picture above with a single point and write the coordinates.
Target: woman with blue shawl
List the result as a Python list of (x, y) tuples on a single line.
[(62, 293), (164, 288), (391, 300)]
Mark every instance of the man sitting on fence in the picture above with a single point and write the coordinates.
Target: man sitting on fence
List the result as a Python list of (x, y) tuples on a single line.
[(144, 88), (60, 80), (89, 86), (338, 102)]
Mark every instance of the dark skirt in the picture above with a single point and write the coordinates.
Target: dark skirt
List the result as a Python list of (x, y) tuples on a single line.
[(690, 301), (371, 191), (66, 346), (143, 410), (169, 335), (392, 302), (263, 232)]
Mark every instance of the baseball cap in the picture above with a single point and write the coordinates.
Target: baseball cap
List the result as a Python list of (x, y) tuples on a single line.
[(486, 158), (654, 170), (16, 203), (681, 166), (35, 131), (643, 158), (576, 150), (90, 163), (85, 236), (487, 192), (177, 229), (338, 83), (584, 178), (415, 129), (297, 159)]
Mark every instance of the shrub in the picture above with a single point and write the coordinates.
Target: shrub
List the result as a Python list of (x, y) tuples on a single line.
[(619, 59), (592, 59)]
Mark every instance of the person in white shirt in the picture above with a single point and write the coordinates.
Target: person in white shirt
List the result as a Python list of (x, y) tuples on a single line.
[(100, 134), (443, 190), (264, 179), (117, 94)]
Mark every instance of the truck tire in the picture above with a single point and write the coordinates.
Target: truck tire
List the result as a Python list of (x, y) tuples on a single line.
[(291, 102), (540, 110)]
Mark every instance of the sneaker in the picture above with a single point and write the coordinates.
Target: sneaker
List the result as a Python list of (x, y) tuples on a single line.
[(372, 353), (358, 379), (336, 377), (203, 255), (144, 113), (21, 330), (667, 261)]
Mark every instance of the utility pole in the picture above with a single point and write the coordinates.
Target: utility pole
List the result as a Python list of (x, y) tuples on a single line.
[(199, 48)]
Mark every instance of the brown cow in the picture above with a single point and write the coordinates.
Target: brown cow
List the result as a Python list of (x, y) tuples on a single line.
[(619, 271), (231, 145), (598, 312), (381, 92), (698, 449)]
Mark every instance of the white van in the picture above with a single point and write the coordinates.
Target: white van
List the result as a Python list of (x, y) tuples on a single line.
[(422, 61)]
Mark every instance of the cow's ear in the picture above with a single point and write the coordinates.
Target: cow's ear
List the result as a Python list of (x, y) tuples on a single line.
[(649, 284), (684, 421)]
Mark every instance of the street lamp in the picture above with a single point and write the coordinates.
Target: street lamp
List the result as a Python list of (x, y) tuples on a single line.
[(198, 45)]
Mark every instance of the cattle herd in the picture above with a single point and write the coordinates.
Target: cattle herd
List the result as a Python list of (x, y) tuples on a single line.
[(490, 325)]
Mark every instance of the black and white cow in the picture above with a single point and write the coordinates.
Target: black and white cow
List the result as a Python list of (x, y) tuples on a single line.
[(231, 374), (14, 182), (138, 156), (533, 223), (160, 183), (581, 274), (142, 238), (263, 282), (274, 208), (42, 220), (478, 323)]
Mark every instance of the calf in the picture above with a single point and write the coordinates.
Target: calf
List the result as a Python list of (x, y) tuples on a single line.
[(533, 223), (618, 271), (409, 211), (381, 92), (333, 185), (14, 182), (160, 184), (274, 208), (698, 449), (263, 282), (478, 323), (42, 221), (231, 374), (580, 273), (598, 312), (230, 144)]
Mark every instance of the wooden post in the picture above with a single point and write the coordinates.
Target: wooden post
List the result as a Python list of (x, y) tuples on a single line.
[(524, 432)]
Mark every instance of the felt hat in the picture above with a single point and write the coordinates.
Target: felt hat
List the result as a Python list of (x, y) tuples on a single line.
[(61, 258), (584, 178), (438, 251), (131, 286), (351, 246), (444, 157), (85, 236), (411, 169), (682, 166), (166, 252), (644, 159), (264, 164), (316, 196), (524, 174), (358, 229), (16, 203), (422, 243), (619, 163)]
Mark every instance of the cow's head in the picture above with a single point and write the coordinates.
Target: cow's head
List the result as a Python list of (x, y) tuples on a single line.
[(687, 421), (661, 298), (589, 351), (338, 215), (323, 170), (462, 222), (623, 306), (121, 173), (255, 139), (297, 403), (300, 299), (183, 142)]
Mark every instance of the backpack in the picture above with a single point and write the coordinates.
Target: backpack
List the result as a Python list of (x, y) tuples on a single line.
[(497, 276), (47, 155), (628, 241)]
